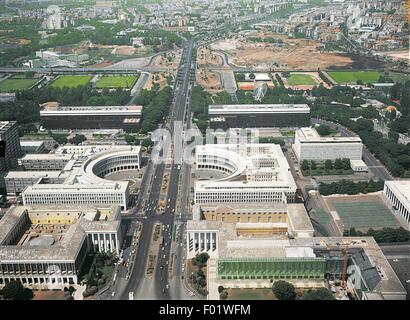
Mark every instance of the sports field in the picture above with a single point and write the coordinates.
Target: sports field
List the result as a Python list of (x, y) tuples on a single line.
[(300, 80), (116, 82), (399, 77), (71, 81), (322, 217), (353, 76), (11, 84), (366, 214)]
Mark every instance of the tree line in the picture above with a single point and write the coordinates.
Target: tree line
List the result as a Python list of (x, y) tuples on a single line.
[(350, 187), (384, 235), (82, 95)]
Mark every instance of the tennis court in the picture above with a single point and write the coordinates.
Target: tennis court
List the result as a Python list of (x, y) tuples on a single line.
[(321, 216), (366, 214)]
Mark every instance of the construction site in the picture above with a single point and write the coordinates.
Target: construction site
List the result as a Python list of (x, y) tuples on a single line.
[(251, 49)]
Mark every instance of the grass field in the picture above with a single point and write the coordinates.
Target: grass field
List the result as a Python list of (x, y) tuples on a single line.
[(10, 84), (71, 81), (366, 214), (399, 77), (116, 82), (353, 76), (250, 294), (300, 80), (322, 217)]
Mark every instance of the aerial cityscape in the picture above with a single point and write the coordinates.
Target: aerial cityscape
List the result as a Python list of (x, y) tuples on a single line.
[(204, 150)]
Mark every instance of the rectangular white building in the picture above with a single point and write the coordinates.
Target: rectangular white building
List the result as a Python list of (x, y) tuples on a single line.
[(398, 193), (309, 145)]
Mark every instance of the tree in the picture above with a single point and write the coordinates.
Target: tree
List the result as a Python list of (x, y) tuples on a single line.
[(223, 295), (77, 139), (60, 138), (202, 258), (323, 130), (284, 290), (318, 294), (220, 289), (338, 164), (305, 165), (328, 164), (129, 139), (313, 165), (14, 290)]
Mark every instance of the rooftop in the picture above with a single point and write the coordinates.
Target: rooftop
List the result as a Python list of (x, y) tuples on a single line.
[(223, 109), (310, 135), (71, 241)]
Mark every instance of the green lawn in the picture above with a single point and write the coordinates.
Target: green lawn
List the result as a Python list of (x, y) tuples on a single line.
[(11, 84), (399, 77), (71, 81), (116, 82), (321, 216), (300, 80), (366, 214), (353, 76)]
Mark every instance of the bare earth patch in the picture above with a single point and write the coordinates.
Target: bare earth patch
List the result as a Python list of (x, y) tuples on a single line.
[(293, 54)]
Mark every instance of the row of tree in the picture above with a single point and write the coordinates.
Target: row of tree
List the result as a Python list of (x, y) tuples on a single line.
[(284, 290), (350, 187), (384, 235), (395, 156), (198, 277), (78, 96), (155, 107), (338, 164)]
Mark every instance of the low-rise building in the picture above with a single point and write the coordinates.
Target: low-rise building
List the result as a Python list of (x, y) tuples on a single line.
[(398, 193), (238, 261), (92, 117), (32, 146), (309, 145), (258, 115), (45, 247), (85, 183), (253, 173)]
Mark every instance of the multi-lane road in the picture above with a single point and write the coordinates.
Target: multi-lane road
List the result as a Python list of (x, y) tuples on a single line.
[(145, 210)]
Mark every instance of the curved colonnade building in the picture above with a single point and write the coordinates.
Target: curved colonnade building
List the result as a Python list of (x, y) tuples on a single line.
[(82, 178)]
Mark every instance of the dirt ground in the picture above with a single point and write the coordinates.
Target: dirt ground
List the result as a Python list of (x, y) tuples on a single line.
[(330, 200), (208, 57), (209, 80), (162, 81), (399, 55), (294, 54), (170, 59), (48, 295)]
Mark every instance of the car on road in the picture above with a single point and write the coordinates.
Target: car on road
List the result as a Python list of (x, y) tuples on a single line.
[(131, 296), (113, 294)]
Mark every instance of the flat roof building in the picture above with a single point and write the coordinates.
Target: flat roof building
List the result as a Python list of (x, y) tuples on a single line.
[(238, 261), (253, 173), (398, 193), (92, 117), (75, 175), (12, 151), (258, 115), (45, 246), (32, 146), (309, 145)]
